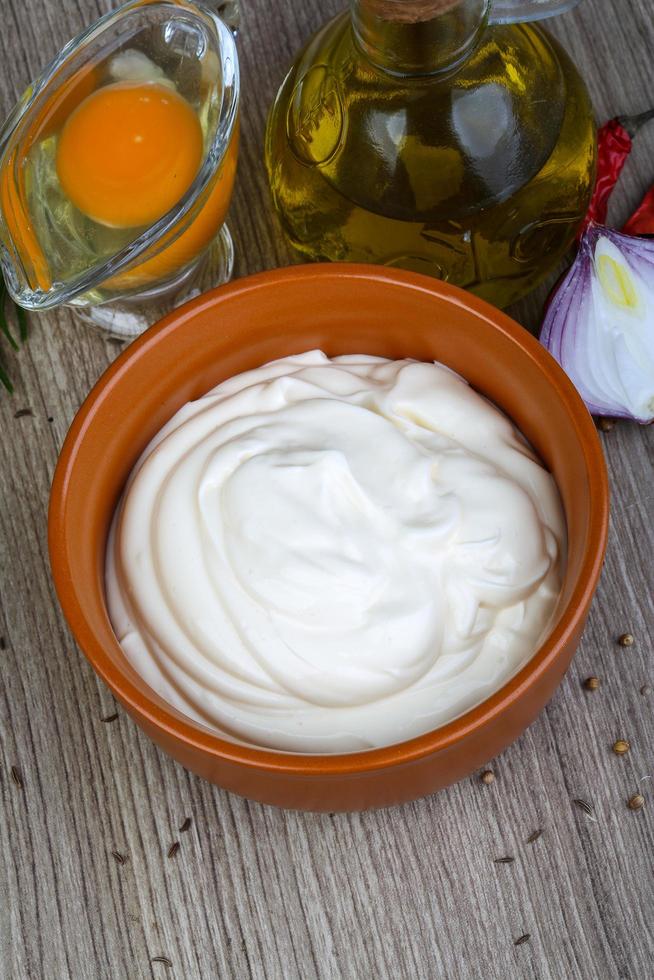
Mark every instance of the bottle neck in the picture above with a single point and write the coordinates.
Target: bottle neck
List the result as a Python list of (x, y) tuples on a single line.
[(418, 37)]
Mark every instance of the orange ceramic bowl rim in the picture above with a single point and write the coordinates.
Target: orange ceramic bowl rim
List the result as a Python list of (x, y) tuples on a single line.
[(296, 764)]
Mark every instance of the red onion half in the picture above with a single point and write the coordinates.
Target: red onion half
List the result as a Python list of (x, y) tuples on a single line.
[(600, 324)]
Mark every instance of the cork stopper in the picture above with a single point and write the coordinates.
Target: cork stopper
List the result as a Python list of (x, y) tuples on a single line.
[(408, 11)]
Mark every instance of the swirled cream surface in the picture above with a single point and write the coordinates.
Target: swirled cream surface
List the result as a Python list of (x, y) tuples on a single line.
[(332, 555)]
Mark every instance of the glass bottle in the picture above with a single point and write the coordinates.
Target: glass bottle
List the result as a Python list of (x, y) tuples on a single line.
[(437, 135)]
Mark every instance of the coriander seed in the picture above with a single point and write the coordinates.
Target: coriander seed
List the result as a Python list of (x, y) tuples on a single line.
[(637, 802), (626, 640), (488, 777), (620, 746), (606, 424), (592, 683)]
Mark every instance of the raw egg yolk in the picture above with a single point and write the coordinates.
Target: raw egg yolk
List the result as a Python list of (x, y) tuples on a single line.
[(184, 247), (129, 152)]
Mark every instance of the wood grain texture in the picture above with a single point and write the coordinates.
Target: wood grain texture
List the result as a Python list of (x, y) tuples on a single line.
[(255, 892)]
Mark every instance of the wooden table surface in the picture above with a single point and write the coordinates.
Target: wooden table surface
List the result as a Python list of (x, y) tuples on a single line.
[(253, 891)]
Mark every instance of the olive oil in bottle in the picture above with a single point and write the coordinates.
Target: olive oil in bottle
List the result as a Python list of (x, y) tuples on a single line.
[(416, 133)]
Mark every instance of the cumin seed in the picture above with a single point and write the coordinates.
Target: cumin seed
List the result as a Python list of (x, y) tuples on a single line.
[(186, 825), (504, 860), (22, 413), (16, 776), (583, 805), (522, 939), (118, 857), (109, 718), (161, 959), (173, 849), (534, 837)]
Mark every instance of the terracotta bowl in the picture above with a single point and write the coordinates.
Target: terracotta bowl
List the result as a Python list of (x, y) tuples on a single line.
[(340, 309)]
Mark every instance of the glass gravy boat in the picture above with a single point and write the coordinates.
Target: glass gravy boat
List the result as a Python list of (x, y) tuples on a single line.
[(123, 277)]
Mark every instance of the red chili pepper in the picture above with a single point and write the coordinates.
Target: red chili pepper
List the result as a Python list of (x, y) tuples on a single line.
[(614, 142), (642, 220)]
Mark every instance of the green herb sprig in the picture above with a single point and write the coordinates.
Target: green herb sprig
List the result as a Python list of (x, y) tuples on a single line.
[(21, 320)]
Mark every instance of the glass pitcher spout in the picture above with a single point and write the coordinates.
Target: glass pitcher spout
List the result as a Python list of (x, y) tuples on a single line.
[(525, 11)]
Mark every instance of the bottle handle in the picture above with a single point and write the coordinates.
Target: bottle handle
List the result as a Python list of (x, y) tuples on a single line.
[(517, 11)]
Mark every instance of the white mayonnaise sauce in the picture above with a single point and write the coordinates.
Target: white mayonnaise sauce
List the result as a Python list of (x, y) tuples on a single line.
[(330, 555)]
